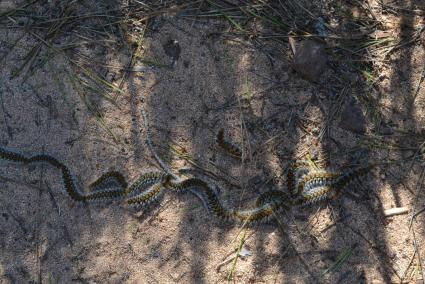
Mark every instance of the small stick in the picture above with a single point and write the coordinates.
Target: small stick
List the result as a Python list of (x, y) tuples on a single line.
[(395, 211)]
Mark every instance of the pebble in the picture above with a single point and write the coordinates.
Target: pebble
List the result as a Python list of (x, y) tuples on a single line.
[(172, 49), (352, 119), (310, 60)]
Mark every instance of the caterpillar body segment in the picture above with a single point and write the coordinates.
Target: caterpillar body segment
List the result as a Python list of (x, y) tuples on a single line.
[(100, 195), (295, 172), (12, 156), (262, 213), (277, 197), (142, 191), (103, 195), (146, 180), (70, 185), (317, 194), (266, 205), (147, 196), (206, 193), (44, 158), (232, 149), (315, 179), (346, 178), (109, 179)]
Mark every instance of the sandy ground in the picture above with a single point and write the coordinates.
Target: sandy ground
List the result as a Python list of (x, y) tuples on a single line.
[(212, 82)]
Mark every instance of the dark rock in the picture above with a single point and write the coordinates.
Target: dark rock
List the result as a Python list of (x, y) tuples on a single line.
[(172, 48), (310, 60), (352, 119)]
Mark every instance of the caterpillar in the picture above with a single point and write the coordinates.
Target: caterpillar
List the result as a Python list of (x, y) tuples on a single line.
[(305, 185)]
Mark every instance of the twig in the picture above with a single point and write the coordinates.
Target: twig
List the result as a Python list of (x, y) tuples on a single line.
[(13, 11), (418, 188), (149, 143), (419, 85), (38, 247), (5, 115), (396, 211), (407, 267), (232, 271), (419, 212), (290, 245), (419, 254), (374, 247)]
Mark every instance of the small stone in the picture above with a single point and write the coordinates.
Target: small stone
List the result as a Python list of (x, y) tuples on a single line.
[(304, 97), (385, 128), (172, 48), (310, 60), (352, 119), (5, 216)]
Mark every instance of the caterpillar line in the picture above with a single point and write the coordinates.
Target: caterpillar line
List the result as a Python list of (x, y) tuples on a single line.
[(305, 185)]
